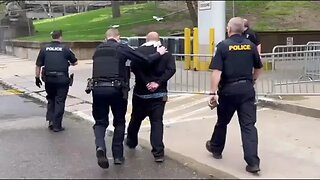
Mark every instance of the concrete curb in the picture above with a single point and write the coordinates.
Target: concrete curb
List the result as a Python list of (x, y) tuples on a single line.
[(291, 108)]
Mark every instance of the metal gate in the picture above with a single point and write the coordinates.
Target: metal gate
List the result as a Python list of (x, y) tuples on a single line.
[(190, 81), (296, 72)]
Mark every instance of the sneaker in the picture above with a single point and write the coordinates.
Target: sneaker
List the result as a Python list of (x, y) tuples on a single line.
[(50, 126), (102, 158), (118, 161), (253, 169), (130, 143), (159, 159), (58, 129)]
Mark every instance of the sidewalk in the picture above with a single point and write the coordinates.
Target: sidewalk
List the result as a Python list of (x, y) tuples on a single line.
[(30, 151), (288, 144)]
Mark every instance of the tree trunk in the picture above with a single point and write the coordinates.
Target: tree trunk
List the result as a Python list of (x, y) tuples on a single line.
[(192, 11), (22, 4), (50, 9), (64, 10), (44, 8), (195, 5), (115, 9)]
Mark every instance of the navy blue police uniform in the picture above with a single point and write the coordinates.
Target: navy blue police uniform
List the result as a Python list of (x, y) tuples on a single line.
[(152, 104), (111, 86), (235, 58), (252, 36), (55, 59)]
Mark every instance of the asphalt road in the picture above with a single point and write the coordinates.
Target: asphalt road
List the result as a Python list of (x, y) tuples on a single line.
[(30, 150)]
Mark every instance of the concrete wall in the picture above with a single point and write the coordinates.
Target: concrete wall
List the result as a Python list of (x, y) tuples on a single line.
[(271, 39), (30, 50), (85, 50)]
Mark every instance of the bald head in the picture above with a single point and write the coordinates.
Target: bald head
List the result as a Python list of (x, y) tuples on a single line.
[(235, 26), (113, 34), (246, 23), (152, 36)]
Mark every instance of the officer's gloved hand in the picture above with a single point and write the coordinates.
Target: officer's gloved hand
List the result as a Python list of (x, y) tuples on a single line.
[(38, 82)]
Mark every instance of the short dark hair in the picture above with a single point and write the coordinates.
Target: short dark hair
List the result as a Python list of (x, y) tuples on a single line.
[(56, 34)]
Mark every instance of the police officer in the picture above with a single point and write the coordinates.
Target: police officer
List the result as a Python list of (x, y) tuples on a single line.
[(54, 59), (251, 35), (150, 96), (232, 66), (111, 85)]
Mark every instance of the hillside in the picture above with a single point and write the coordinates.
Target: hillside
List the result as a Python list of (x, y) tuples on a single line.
[(92, 25), (280, 15), (137, 19), (268, 15)]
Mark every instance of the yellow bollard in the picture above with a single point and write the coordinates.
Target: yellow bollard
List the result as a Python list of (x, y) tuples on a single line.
[(187, 48), (205, 61), (204, 65), (211, 41), (267, 65), (196, 64)]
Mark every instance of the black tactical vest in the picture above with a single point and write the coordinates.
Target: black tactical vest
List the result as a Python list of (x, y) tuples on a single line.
[(238, 60), (107, 65), (56, 64), (55, 58)]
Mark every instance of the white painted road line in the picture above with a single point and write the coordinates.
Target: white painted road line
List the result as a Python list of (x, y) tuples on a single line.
[(190, 119), (180, 120), (179, 97), (187, 105), (189, 114), (168, 121), (84, 115)]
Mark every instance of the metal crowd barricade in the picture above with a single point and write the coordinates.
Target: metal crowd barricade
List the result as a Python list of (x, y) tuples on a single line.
[(287, 78), (190, 81), (311, 64), (290, 74), (313, 43)]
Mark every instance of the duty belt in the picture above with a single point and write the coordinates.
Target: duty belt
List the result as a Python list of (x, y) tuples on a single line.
[(237, 82), (108, 83), (56, 73), (234, 83)]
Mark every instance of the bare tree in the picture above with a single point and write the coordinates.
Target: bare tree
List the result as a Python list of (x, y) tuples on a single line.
[(193, 8), (50, 9), (115, 9)]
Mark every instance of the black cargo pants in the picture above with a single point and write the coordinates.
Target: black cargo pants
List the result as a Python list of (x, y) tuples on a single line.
[(154, 108), (57, 88), (103, 99), (244, 104)]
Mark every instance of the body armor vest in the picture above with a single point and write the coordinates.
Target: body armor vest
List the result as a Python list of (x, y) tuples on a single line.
[(235, 53), (55, 58), (107, 66)]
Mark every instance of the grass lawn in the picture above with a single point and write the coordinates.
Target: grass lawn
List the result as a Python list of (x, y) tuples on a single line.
[(135, 19), (92, 25), (278, 15)]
